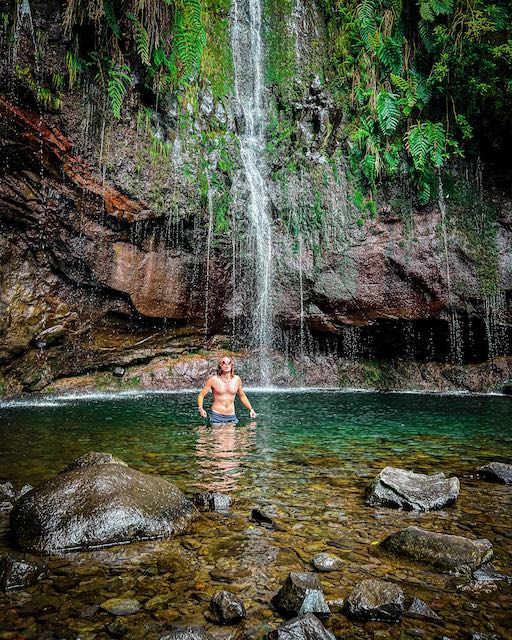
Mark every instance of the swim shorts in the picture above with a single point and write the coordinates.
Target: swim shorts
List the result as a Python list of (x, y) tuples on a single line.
[(220, 418)]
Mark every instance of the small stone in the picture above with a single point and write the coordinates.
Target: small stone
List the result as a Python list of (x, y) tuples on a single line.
[(186, 633), (18, 571), (306, 627), (326, 562), (121, 606), (376, 600), (421, 611), (226, 608), (118, 372), (300, 594), (415, 632), (7, 492), (212, 501), (497, 472)]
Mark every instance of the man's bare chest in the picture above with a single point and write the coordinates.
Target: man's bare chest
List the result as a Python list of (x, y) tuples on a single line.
[(220, 387)]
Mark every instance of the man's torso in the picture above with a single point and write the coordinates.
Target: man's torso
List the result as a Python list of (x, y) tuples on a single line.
[(224, 395)]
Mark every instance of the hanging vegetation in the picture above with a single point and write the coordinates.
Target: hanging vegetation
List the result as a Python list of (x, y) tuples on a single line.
[(417, 79)]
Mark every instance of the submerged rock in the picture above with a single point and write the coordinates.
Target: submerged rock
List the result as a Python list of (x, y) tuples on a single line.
[(497, 471), (8, 495), (421, 611), (306, 627), (452, 553), (326, 562), (301, 593), (98, 506), (411, 491), (186, 633), (92, 458), (18, 571), (211, 501), (121, 606), (376, 600), (226, 608)]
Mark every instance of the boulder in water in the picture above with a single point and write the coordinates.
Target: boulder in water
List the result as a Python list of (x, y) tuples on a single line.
[(98, 506), (226, 608), (211, 501), (452, 553), (497, 472), (376, 600), (306, 627), (92, 458), (402, 489)]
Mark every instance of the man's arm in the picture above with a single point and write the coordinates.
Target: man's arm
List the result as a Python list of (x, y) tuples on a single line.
[(245, 400), (204, 391)]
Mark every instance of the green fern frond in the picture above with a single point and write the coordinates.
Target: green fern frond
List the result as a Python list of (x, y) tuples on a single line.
[(426, 11), (441, 7), (141, 40), (369, 167), (390, 54), (118, 81), (74, 65), (424, 192), (189, 40), (388, 112), (110, 18)]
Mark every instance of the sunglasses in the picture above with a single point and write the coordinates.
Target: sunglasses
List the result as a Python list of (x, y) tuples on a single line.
[(225, 361)]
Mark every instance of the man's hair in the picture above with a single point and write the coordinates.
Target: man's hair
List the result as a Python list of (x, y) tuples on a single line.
[(219, 367)]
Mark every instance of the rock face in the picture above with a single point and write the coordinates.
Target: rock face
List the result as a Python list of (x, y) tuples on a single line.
[(306, 627), (452, 553), (376, 600), (301, 593), (411, 491), (18, 571), (97, 506), (497, 471)]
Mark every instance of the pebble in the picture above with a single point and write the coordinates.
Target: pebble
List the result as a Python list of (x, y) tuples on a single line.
[(121, 606)]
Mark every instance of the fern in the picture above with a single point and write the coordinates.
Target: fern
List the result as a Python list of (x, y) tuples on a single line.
[(141, 40), (118, 80), (441, 7), (74, 65), (110, 18), (426, 11), (189, 40), (390, 54), (388, 112)]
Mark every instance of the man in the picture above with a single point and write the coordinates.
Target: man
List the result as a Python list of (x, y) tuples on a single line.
[(225, 386)]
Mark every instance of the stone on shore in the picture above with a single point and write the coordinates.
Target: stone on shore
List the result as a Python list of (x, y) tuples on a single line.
[(226, 608), (212, 501), (307, 627), (300, 594), (402, 489), (447, 552), (497, 472), (92, 458), (376, 600), (18, 571), (419, 610), (98, 506)]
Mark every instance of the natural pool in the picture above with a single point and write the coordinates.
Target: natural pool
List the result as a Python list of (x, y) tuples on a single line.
[(308, 458)]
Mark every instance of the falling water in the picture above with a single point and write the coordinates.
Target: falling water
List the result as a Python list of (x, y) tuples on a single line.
[(301, 288), (456, 345), (208, 250), (495, 327), (247, 50)]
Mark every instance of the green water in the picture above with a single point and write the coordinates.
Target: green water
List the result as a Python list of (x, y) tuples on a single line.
[(308, 457)]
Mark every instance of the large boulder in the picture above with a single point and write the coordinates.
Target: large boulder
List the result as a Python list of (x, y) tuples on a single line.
[(306, 627), (300, 594), (376, 600), (411, 491), (91, 459), (497, 472), (97, 506), (452, 553)]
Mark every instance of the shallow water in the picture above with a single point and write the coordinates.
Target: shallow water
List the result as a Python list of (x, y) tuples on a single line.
[(308, 459)]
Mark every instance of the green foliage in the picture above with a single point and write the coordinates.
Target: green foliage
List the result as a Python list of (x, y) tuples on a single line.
[(421, 76), (189, 39), (118, 81)]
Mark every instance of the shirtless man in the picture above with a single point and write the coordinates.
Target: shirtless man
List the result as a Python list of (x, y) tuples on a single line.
[(225, 385)]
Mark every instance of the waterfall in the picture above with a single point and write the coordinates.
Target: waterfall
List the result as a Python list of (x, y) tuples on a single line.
[(247, 50)]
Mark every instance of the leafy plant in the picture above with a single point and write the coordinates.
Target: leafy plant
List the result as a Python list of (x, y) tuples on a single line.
[(119, 79)]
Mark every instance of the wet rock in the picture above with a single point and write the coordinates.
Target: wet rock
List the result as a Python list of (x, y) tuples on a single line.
[(301, 593), (186, 633), (475, 635), (7, 492), (118, 372), (264, 518), (326, 562), (24, 489), (226, 608), (121, 606), (211, 501), (421, 611), (452, 553), (98, 506), (497, 472), (402, 489), (307, 627), (376, 600), (92, 458), (488, 573), (18, 571)]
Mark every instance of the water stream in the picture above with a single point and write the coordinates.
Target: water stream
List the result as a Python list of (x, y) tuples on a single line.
[(247, 48)]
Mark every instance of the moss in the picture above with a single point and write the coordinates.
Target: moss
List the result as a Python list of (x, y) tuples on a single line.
[(217, 62), (280, 68)]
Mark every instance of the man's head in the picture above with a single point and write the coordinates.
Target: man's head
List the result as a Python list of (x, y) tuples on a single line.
[(226, 365)]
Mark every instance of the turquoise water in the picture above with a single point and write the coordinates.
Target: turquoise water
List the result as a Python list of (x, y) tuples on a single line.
[(308, 458)]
